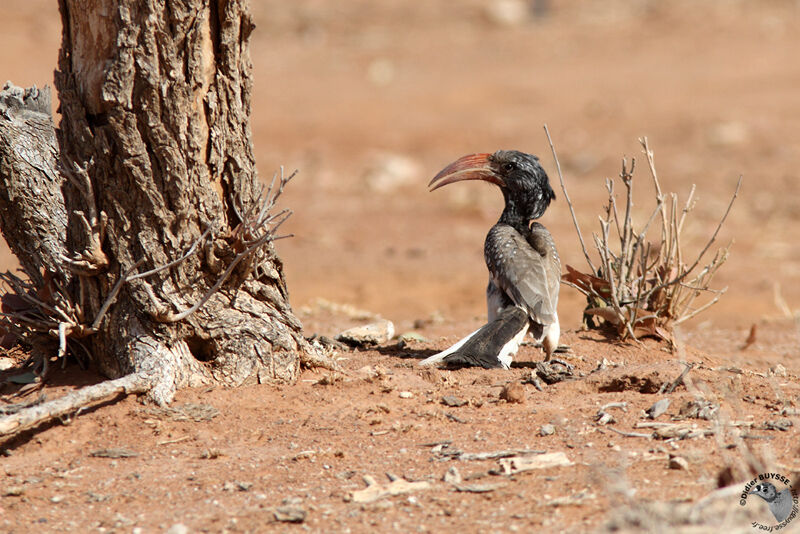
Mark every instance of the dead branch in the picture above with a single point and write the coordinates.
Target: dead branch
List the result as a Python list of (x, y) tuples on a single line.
[(176, 261), (375, 491), (518, 464), (255, 231), (113, 295), (70, 404), (175, 317), (630, 434), (569, 202), (646, 289)]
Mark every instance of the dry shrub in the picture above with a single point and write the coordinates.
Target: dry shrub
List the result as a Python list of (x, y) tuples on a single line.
[(644, 286)]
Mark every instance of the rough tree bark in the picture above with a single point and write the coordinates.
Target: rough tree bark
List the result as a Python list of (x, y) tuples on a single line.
[(153, 172)]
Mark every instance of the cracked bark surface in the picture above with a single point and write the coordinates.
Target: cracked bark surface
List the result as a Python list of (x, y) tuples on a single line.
[(153, 150)]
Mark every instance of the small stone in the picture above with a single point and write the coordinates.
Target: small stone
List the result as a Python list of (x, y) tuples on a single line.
[(727, 134), (507, 12), (413, 337), (290, 514), (547, 430), (368, 335), (178, 528), (387, 173), (453, 401), (13, 491), (406, 395), (452, 476), (6, 363), (778, 370), (605, 418), (658, 408), (56, 499), (699, 409), (779, 424), (114, 453), (513, 393), (678, 462)]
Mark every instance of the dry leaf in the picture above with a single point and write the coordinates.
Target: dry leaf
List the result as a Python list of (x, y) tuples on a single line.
[(587, 282), (751, 339)]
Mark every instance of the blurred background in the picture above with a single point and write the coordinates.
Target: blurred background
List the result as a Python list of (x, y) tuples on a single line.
[(368, 99)]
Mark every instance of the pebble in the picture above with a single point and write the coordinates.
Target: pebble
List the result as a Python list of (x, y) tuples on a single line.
[(513, 393), (13, 491), (368, 335), (507, 12), (413, 337), (290, 514), (778, 370), (727, 134), (658, 408), (547, 430), (678, 462), (406, 395), (452, 476), (699, 409), (453, 401), (381, 72), (178, 528), (389, 172)]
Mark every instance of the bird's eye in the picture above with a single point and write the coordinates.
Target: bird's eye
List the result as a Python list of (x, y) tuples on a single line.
[(509, 166)]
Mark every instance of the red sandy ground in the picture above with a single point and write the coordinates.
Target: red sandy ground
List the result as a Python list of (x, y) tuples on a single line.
[(339, 86)]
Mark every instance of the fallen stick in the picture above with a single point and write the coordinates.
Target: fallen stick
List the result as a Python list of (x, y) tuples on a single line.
[(630, 434), (375, 491), (677, 382), (72, 402), (469, 456), (518, 464)]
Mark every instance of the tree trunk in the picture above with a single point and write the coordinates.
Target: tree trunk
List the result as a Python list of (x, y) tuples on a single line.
[(157, 176)]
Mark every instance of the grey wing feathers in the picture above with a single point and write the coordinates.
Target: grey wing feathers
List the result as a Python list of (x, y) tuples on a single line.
[(496, 300), (530, 277)]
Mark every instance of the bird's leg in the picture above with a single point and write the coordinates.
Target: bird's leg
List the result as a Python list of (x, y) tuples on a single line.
[(550, 341)]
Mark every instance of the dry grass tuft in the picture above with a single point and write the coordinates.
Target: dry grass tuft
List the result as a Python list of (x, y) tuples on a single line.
[(644, 286)]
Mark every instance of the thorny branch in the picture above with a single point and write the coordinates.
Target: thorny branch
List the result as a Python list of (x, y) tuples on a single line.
[(258, 227), (26, 311)]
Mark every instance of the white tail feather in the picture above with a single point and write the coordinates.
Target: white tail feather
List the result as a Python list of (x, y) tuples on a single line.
[(510, 349), (439, 356)]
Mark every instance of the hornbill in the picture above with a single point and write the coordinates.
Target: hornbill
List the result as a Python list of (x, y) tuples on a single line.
[(524, 268)]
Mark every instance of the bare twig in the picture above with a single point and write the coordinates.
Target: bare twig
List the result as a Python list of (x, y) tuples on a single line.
[(258, 230), (710, 241), (176, 261), (649, 289), (113, 295), (678, 381), (630, 434), (569, 202), (72, 402)]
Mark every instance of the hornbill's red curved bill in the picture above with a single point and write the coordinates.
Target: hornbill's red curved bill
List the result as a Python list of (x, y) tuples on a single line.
[(524, 268)]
